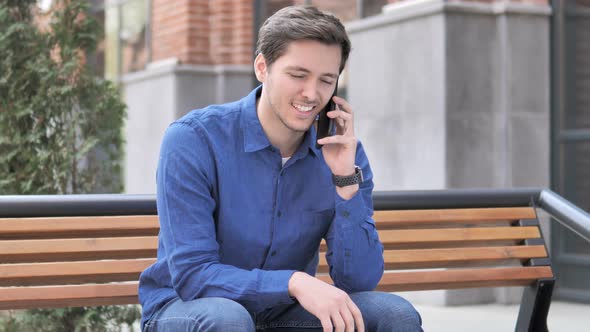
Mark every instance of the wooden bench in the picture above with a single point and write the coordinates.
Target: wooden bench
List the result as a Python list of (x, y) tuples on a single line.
[(53, 256)]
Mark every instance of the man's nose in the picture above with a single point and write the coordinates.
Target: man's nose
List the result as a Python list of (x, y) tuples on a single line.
[(310, 90)]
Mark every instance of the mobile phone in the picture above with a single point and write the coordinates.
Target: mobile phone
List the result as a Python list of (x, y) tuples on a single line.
[(325, 125)]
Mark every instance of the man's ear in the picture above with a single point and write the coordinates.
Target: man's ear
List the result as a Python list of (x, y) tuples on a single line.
[(260, 68)]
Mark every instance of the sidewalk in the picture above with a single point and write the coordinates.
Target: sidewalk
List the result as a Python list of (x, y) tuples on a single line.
[(563, 317)]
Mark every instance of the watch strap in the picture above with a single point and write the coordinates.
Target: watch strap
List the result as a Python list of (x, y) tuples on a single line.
[(343, 181)]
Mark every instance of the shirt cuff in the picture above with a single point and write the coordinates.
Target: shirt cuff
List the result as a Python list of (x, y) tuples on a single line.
[(352, 209), (276, 288)]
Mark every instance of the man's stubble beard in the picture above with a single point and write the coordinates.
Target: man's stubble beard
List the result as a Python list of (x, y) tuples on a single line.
[(277, 113)]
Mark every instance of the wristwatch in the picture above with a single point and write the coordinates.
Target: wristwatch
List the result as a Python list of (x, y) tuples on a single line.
[(343, 181)]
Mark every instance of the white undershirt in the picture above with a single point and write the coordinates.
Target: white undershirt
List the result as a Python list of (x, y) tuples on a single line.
[(285, 160)]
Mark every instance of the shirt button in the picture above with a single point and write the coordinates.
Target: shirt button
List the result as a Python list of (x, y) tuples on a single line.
[(279, 214), (273, 253), (345, 214)]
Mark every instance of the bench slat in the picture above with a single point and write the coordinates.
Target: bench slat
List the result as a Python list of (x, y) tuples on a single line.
[(386, 219), (423, 258), (416, 236), (452, 236), (70, 295), (459, 278), (72, 272), (463, 254), (32, 228), (20, 251), (465, 278)]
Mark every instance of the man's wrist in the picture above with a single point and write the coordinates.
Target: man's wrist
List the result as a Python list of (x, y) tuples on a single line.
[(293, 283), (344, 171), (347, 192)]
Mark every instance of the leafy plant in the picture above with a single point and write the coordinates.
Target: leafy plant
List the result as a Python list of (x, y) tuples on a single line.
[(60, 125), (60, 130), (96, 319)]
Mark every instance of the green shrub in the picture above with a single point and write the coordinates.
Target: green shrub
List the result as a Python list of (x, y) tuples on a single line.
[(60, 125), (60, 131), (95, 319)]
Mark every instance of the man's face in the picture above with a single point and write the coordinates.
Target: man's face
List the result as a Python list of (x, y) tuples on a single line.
[(298, 84)]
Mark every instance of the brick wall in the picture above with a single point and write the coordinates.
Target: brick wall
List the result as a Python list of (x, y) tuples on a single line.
[(231, 24), (345, 10), (180, 29), (202, 31)]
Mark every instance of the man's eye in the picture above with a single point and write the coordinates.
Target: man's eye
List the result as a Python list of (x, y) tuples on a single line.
[(296, 76), (327, 82)]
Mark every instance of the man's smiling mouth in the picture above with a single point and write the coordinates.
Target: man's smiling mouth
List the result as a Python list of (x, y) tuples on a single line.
[(303, 108)]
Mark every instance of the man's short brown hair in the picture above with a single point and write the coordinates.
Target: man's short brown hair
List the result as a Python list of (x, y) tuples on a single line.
[(300, 23)]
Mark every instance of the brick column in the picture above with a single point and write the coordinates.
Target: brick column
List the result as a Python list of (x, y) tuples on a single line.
[(180, 29), (231, 36), (202, 32), (345, 10)]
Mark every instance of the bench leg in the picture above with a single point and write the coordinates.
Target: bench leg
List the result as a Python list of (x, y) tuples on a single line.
[(534, 307)]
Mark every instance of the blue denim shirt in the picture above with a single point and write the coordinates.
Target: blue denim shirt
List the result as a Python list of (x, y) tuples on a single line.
[(235, 223)]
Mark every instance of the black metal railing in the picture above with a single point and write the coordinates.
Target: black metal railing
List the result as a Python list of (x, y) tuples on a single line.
[(566, 213)]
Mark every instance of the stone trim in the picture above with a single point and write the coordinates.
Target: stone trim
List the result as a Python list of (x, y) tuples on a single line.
[(498, 8), (410, 10), (399, 12), (168, 67)]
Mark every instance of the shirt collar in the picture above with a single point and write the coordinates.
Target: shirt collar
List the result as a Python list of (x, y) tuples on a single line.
[(254, 137)]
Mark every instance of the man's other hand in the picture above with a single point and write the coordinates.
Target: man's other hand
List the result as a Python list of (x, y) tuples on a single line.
[(332, 306)]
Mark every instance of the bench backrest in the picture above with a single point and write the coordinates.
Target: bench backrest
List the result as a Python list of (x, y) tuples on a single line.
[(74, 261), (84, 261)]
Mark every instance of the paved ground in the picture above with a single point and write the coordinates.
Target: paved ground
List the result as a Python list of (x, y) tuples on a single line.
[(563, 317)]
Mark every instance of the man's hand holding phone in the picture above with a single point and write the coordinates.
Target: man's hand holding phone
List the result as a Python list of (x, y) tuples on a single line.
[(339, 150)]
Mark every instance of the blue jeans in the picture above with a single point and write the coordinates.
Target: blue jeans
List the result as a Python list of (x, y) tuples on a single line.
[(381, 312)]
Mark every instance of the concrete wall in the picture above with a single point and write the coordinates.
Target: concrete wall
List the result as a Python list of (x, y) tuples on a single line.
[(497, 98), (162, 93), (454, 95), (396, 86)]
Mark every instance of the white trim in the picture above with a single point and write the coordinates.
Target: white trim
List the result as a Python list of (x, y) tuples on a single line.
[(498, 8), (396, 13), (168, 62), (413, 9), (408, 5)]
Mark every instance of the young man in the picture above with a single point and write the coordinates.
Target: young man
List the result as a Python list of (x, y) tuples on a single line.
[(245, 197)]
